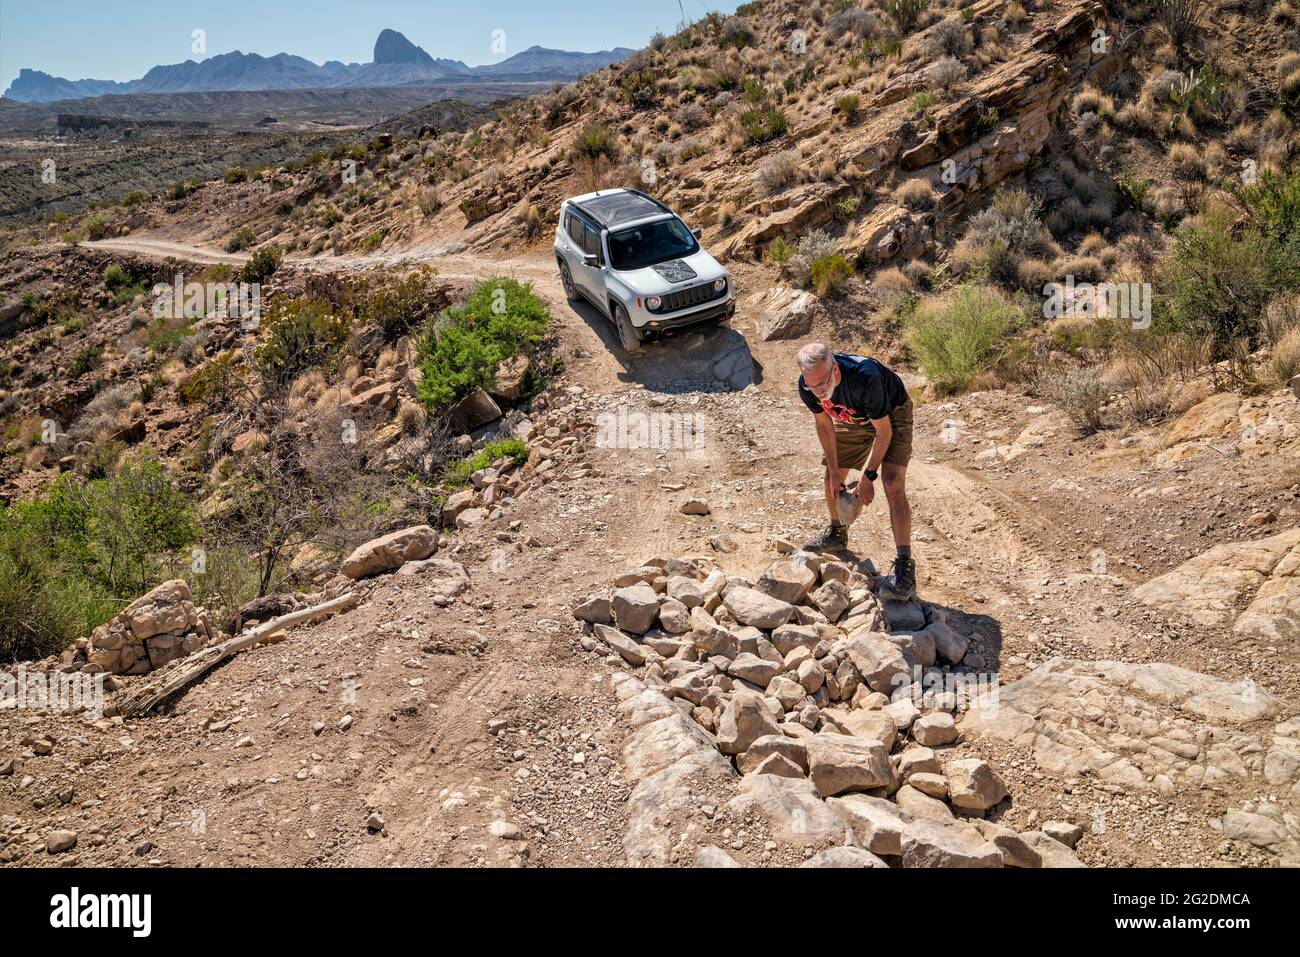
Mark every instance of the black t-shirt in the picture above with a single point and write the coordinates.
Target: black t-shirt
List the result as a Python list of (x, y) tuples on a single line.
[(867, 390)]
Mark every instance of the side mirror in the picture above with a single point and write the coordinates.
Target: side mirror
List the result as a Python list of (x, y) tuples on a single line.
[(697, 232), (591, 259)]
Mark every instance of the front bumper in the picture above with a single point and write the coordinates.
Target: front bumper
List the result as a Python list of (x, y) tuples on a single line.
[(653, 327)]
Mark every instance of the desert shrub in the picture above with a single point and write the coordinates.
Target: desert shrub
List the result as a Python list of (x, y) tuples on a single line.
[(923, 101), (72, 558), (458, 473), (1079, 392), (95, 226), (241, 238), (1274, 205), (692, 116), (735, 32), (640, 89), (946, 73), (122, 284), (957, 339), (594, 140), (998, 236), (262, 264), (299, 334), (813, 246), (779, 170), (1284, 361), (236, 174), (904, 13), (916, 193), (461, 350), (1215, 283), (760, 126), (1179, 20), (848, 105), (102, 414), (948, 37), (395, 304), (830, 274), (85, 360)]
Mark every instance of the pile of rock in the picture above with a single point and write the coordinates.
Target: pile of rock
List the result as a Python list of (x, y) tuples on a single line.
[(149, 633), (553, 436), (806, 674)]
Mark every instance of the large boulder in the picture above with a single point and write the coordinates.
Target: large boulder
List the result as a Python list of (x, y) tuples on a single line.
[(878, 660), (635, 608), (928, 842), (841, 762), (152, 631), (745, 719), (751, 607), (1255, 586), (973, 785), (390, 552), (787, 580), (475, 409)]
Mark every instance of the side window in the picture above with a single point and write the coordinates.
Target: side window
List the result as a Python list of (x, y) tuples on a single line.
[(575, 229), (591, 241)]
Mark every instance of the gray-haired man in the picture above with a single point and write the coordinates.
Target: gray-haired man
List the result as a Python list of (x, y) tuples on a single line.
[(864, 421)]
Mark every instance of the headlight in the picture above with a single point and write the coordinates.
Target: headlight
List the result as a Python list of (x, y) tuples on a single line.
[(720, 284), (653, 302)]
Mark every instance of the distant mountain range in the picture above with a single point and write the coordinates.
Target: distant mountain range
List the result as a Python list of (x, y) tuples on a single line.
[(397, 62)]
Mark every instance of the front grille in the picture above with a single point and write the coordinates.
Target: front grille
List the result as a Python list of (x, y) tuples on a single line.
[(695, 295)]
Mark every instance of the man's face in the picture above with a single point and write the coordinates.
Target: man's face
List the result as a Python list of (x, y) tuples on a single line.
[(822, 380)]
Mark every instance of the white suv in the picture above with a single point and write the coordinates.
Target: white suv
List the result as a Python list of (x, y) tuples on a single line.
[(636, 261)]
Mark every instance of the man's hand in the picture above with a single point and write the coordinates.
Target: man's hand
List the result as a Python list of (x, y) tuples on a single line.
[(866, 490), (835, 478)]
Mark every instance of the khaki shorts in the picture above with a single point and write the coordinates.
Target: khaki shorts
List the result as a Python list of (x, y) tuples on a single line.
[(853, 442)]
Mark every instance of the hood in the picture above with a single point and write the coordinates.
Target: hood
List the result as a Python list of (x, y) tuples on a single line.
[(673, 274)]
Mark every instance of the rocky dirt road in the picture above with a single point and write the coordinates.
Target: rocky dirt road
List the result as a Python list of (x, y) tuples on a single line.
[(486, 728)]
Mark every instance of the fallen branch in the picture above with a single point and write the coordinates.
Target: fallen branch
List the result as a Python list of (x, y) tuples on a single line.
[(146, 697)]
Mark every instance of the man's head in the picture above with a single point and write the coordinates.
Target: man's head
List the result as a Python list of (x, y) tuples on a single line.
[(821, 373)]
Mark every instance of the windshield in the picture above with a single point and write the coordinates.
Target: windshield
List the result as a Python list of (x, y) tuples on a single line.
[(651, 243)]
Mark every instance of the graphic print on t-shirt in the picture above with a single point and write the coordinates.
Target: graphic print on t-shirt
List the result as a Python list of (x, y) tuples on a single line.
[(841, 413)]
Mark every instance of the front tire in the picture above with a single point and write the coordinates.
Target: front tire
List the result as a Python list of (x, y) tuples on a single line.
[(628, 337), (570, 290)]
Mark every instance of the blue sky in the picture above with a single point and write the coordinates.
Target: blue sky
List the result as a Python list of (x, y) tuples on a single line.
[(122, 39)]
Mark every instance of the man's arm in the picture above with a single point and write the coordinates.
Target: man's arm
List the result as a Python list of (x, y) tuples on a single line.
[(880, 447)]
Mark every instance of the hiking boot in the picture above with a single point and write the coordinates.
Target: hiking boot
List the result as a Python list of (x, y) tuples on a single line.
[(901, 586), (829, 539)]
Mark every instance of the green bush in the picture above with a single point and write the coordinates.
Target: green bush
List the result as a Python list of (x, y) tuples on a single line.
[(594, 140), (262, 264), (236, 175), (396, 305), (957, 340), (830, 274), (122, 284), (300, 334), (458, 473), (73, 558), (241, 238), (461, 350), (1216, 282), (763, 125)]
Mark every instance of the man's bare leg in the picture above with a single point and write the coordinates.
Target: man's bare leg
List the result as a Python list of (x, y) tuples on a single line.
[(894, 479), (902, 584)]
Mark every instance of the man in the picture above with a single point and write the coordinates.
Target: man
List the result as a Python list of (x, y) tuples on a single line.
[(864, 421)]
